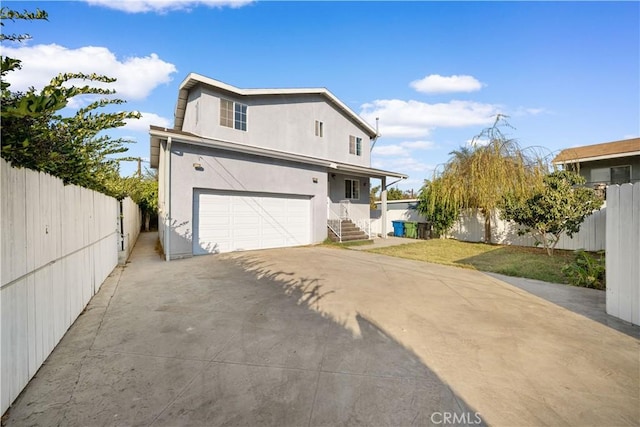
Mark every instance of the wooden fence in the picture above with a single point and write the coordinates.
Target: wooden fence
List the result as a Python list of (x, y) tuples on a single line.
[(59, 243), (470, 228), (623, 252), (131, 222)]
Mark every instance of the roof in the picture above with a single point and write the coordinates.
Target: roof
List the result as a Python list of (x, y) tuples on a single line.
[(607, 150), (159, 134), (194, 79)]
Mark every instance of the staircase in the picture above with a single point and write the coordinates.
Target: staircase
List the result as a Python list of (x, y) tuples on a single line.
[(350, 232)]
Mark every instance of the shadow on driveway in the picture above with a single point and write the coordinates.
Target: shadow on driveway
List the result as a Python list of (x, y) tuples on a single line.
[(228, 340)]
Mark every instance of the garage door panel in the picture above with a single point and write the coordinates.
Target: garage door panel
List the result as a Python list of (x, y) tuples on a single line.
[(225, 222)]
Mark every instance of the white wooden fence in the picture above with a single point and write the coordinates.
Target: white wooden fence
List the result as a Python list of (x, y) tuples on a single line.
[(59, 243), (470, 228), (623, 252), (129, 227)]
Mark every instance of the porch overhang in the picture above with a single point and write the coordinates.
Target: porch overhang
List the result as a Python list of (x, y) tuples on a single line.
[(158, 134)]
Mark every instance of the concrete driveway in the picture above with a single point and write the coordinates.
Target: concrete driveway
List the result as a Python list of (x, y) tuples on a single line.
[(322, 336)]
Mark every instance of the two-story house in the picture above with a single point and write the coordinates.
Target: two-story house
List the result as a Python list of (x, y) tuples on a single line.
[(259, 168)]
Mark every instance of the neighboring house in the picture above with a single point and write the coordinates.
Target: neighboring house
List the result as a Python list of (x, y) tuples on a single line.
[(259, 168), (615, 162)]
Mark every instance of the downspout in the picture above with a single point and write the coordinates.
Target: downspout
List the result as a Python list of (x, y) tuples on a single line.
[(167, 228)]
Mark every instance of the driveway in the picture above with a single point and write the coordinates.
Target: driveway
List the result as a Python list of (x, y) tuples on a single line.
[(323, 336)]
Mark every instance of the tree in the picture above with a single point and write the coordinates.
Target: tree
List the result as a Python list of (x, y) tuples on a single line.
[(142, 189), (373, 197), (477, 177), (440, 213), (559, 206), (36, 136)]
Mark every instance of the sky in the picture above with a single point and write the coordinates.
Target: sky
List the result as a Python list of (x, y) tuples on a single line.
[(434, 73)]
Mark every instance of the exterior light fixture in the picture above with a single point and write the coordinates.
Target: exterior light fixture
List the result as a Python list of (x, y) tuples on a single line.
[(197, 166), (315, 180)]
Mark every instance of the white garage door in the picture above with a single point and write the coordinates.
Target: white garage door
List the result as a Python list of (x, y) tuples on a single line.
[(230, 221)]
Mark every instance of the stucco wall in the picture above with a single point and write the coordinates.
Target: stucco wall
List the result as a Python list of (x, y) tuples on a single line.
[(359, 208), (223, 170), (283, 122)]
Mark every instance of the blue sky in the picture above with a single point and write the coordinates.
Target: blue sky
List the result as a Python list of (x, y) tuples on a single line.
[(567, 73)]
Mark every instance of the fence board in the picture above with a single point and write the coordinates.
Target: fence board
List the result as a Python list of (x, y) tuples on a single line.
[(623, 252), (59, 243)]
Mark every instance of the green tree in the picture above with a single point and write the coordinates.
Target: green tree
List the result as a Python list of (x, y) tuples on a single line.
[(440, 213), (559, 206), (36, 136), (373, 197), (477, 177), (142, 189)]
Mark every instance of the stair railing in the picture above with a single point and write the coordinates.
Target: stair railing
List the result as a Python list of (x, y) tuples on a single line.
[(364, 224), (334, 222)]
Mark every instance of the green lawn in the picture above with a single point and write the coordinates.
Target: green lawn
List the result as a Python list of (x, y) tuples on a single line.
[(532, 263)]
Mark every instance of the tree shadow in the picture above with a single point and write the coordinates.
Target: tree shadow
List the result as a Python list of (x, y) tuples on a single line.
[(378, 380)]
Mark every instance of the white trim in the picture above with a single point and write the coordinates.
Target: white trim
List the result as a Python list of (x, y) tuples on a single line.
[(157, 135), (603, 157), (193, 78)]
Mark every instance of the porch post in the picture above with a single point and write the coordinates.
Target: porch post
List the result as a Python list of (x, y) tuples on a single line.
[(383, 207)]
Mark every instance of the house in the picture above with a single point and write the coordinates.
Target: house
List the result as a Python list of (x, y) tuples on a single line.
[(259, 168), (616, 162)]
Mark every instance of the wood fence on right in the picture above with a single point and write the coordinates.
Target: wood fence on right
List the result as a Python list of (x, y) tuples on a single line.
[(623, 252)]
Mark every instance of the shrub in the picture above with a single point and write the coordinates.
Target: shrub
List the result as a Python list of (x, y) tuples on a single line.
[(586, 270)]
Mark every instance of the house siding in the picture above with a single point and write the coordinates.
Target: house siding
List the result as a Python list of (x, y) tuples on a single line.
[(585, 167), (223, 170), (282, 122)]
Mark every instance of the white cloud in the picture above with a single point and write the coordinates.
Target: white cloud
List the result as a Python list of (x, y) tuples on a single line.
[(402, 149), (147, 119), (136, 76), (163, 6), (415, 119), (436, 83), (404, 165), (524, 111)]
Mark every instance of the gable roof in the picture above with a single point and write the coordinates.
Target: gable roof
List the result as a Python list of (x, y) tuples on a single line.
[(194, 79), (607, 150)]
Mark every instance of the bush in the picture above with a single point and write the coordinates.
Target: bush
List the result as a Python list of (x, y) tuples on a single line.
[(586, 270)]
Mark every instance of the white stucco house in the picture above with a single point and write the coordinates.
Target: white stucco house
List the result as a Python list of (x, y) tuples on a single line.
[(249, 169)]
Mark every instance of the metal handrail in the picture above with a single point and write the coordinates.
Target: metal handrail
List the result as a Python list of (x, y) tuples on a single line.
[(335, 224), (364, 224)]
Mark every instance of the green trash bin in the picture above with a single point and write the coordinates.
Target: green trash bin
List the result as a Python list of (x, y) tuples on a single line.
[(411, 229)]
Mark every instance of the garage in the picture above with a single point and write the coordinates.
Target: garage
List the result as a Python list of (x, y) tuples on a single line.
[(226, 221)]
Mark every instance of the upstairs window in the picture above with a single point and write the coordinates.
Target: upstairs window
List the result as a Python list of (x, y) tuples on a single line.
[(352, 189), (233, 114), (355, 145), (319, 129)]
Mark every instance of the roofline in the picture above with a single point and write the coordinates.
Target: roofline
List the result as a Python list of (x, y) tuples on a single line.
[(193, 79), (593, 158), (158, 134)]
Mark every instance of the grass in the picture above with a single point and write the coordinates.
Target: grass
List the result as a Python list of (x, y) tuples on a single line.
[(532, 263)]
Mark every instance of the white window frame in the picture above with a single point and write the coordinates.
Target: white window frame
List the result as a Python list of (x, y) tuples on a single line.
[(319, 129), (355, 145), (352, 189), (238, 119)]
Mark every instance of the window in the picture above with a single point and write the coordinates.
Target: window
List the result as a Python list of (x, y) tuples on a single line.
[(620, 174), (352, 189), (319, 129), (355, 145), (233, 114), (613, 175)]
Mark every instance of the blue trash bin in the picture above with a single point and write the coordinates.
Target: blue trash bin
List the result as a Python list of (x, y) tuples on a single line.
[(398, 228)]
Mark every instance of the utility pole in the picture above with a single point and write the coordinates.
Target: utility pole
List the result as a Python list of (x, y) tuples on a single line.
[(139, 167)]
